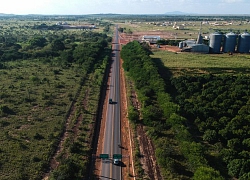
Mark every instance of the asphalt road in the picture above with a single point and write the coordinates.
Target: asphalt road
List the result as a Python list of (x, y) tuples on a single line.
[(112, 135)]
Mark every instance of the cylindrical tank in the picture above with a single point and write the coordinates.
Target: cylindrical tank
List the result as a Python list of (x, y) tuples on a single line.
[(215, 42), (181, 45), (229, 42), (244, 43)]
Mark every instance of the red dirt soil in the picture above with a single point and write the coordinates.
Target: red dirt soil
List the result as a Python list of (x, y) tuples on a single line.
[(126, 38), (147, 150)]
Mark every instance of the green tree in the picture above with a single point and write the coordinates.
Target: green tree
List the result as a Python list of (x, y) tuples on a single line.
[(120, 29), (238, 167), (210, 135), (38, 41), (57, 45), (195, 154), (67, 56), (68, 169), (133, 114), (150, 113), (207, 173)]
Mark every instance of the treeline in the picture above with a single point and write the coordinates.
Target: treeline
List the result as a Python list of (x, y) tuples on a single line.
[(44, 26), (46, 75), (217, 109), (121, 17), (92, 57), (169, 17), (74, 160), (62, 47), (162, 117), (168, 42)]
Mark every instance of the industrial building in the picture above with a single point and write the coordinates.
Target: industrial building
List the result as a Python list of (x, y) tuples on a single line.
[(219, 43), (179, 27), (194, 46), (151, 39), (228, 43), (201, 48)]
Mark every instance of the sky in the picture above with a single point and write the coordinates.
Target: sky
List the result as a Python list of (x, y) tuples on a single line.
[(82, 7)]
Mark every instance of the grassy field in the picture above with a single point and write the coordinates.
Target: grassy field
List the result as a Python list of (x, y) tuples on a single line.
[(34, 100), (192, 63), (41, 97), (191, 29)]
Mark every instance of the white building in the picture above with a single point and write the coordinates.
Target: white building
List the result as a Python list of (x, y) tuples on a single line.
[(151, 39)]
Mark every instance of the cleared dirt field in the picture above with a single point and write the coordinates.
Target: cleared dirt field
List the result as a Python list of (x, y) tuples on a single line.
[(125, 38), (137, 36)]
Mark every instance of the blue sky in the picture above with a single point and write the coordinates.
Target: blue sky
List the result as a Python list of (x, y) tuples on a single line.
[(79, 7)]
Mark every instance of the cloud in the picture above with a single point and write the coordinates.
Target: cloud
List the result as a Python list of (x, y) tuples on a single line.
[(142, 1), (232, 1)]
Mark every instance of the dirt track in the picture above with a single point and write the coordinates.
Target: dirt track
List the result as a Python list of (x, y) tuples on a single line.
[(147, 151), (148, 159)]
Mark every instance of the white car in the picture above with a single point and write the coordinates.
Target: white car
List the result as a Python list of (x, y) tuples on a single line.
[(116, 161)]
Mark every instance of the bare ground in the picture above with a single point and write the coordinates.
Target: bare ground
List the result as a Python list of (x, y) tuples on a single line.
[(127, 144), (147, 150), (125, 38)]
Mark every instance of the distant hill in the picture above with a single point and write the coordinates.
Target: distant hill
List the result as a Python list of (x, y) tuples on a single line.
[(3, 14), (176, 13)]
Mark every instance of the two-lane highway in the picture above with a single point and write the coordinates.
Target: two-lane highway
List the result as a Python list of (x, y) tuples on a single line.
[(112, 135)]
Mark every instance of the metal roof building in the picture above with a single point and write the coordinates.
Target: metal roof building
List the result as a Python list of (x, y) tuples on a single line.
[(201, 48), (151, 39)]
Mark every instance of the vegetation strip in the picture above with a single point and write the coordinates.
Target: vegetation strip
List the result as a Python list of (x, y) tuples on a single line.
[(161, 117), (42, 76)]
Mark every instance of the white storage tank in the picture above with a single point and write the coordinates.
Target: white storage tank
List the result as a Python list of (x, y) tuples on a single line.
[(244, 43), (215, 42), (229, 42), (181, 45)]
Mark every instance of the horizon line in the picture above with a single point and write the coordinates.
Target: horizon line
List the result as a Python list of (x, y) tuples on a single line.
[(167, 13)]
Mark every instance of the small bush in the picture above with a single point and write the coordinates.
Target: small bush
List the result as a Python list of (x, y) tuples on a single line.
[(5, 110)]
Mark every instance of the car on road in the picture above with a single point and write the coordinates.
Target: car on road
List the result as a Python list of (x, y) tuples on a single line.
[(110, 101), (116, 162)]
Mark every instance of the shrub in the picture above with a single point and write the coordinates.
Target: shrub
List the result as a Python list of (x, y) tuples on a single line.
[(4, 109)]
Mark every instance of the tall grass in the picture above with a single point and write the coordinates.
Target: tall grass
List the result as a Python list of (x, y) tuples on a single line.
[(179, 63), (37, 96)]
